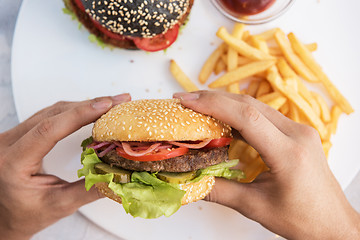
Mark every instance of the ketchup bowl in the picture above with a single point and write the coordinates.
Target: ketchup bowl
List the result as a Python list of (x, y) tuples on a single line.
[(252, 11)]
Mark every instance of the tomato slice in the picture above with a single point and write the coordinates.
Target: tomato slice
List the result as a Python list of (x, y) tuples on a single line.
[(220, 142), (160, 155), (159, 42), (80, 5)]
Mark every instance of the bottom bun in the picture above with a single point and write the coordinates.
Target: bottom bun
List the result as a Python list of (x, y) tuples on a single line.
[(194, 191)]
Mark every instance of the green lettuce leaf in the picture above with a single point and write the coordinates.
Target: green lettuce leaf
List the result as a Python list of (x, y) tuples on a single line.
[(221, 170), (86, 142), (146, 196)]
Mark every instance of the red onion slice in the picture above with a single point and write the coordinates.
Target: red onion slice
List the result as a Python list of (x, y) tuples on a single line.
[(128, 150), (99, 145), (108, 149), (191, 145)]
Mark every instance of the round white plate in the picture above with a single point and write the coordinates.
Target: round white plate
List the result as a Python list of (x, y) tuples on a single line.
[(53, 60)]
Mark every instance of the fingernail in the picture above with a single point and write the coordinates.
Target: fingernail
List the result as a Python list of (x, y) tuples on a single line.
[(179, 94), (190, 96), (105, 104), (121, 98)]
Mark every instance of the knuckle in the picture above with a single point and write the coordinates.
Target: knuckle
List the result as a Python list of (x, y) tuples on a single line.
[(309, 132), (246, 98), (249, 113), (210, 97), (79, 111), (56, 109), (44, 128)]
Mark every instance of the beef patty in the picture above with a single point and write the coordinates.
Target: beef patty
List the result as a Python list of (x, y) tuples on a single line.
[(193, 160), (126, 43)]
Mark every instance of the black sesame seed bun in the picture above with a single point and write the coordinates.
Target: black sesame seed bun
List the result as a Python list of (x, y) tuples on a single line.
[(157, 120), (137, 18), (130, 18)]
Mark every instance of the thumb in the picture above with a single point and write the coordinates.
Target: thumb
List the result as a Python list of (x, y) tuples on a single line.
[(232, 194), (77, 195)]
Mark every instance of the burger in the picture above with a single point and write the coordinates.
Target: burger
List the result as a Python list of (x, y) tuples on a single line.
[(155, 155), (150, 25)]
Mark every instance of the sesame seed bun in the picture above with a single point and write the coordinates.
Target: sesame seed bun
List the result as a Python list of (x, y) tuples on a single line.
[(157, 120), (194, 191), (137, 18), (127, 20)]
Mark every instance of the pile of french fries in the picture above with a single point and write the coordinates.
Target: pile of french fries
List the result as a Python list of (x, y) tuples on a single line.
[(272, 68)]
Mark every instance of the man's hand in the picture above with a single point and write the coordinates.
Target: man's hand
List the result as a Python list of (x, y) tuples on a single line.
[(299, 198), (31, 200)]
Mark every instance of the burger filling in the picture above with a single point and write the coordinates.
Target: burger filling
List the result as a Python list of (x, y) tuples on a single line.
[(148, 175), (151, 44)]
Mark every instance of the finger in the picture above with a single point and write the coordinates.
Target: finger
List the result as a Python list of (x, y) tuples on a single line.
[(238, 196), (36, 143), (74, 195), (253, 126), (284, 124), (14, 134)]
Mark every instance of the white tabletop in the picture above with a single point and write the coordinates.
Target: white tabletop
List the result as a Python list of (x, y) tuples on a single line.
[(75, 226)]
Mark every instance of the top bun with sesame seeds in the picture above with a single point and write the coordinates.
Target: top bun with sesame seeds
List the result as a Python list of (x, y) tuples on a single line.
[(150, 25), (157, 120)]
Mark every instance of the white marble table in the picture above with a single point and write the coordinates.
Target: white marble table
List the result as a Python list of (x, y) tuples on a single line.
[(75, 226)]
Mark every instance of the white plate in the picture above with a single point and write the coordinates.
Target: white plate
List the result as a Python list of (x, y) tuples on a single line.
[(52, 60)]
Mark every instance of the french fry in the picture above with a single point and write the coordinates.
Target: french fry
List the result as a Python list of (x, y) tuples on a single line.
[(286, 72), (181, 77), (253, 87), (259, 43), (261, 75), (267, 35), (312, 47), (243, 91), (277, 103), (241, 73), (277, 83), (232, 57), (220, 67), (311, 63), (210, 63), (285, 108), (236, 149), (251, 152), (243, 60), (275, 51), (238, 30), (252, 168), (293, 59), (269, 97), (326, 147), (335, 115), (294, 112), (224, 57), (291, 83), (264, 88), (233, 88), (325, 112), (246, 35), (242, 47)]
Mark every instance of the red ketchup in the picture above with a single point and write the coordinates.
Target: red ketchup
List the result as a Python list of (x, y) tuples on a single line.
[(246, 7)]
